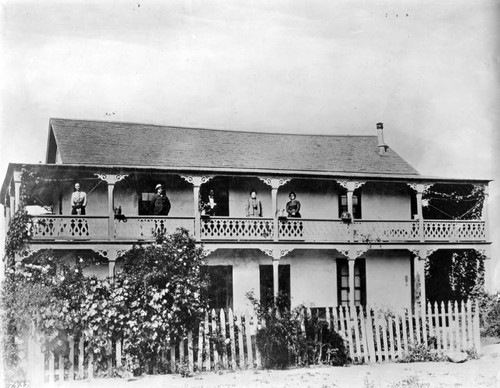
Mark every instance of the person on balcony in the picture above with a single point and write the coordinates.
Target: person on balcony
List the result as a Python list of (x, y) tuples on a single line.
[(210, 206), (293, 206), (253, 206), (160, 205), (78, 201)]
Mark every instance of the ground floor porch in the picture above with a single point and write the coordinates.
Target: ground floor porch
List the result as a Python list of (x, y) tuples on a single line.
[(380, 275)]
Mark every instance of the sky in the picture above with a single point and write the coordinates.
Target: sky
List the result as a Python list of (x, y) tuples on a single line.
[(428, 70)]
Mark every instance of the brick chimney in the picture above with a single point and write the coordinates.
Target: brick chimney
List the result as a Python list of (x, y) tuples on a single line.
[(382, 147)]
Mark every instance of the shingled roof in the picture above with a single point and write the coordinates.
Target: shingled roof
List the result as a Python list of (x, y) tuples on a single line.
[(142, 145)]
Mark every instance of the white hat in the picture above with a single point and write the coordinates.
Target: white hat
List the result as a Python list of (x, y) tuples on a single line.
[(159, 185)]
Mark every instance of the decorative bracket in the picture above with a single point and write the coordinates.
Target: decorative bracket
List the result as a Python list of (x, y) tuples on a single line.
[(344, 252), (423, 253), (285, 251), (268, 251), (112, 178), (360, 252), (275, 182), (197, 180), (208, 251), (351, 185), (420, 187)]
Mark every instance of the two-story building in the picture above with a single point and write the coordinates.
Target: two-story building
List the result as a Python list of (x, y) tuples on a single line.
[(373, 255)]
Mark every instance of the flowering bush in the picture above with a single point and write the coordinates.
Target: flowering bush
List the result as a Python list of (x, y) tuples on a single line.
[(157, 298)]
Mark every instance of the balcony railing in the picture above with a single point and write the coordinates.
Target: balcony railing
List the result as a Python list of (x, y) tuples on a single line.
[(143, 228), (69, 228), (224, 228)]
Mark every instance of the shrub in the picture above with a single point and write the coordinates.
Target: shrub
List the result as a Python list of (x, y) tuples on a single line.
[(282, 341), (489, 308), (421, 353), (155, 300)]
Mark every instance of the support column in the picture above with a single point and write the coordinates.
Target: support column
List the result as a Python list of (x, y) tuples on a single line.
[(112, 256), (276, 263), (351, 261), (484, 213), (17, 190), (111, 181), (420, 188), (419, 296), (12, 204), (196, 181), (197, 220), (275, 183)]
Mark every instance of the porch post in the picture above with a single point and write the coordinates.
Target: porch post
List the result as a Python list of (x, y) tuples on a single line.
[(420, 214), (275, 183), (12, 202), (112, 256), (276, 262), (274, 201), (419, 259), (420, 188), (111, 181), (196, 181), (351, 261), (17, 189), (196, 204), (484, 213)]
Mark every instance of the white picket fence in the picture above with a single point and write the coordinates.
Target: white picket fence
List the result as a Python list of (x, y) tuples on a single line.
[(226, 341)]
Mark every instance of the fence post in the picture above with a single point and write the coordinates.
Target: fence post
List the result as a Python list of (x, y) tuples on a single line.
[(190, 351), (463, 325), (241, 353), (71, 371), (199, 360), (405, 334), (35, 361), (207, 343), (475, 321), (214, 334), (369, 334), (248, 335), (231, 336), (398, 336)]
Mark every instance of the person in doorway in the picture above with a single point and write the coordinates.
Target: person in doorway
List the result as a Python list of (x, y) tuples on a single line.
[(210, 206), (78, 201), (253, 206), (293, 206), (159, 205)]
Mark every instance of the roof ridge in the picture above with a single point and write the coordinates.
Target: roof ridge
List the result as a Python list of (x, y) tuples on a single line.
[(206, 129)]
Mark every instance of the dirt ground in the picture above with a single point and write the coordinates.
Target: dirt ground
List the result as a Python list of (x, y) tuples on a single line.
[(484, 372)]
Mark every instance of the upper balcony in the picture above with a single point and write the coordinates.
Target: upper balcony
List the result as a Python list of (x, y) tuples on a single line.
[(383, 211), (137, 228)]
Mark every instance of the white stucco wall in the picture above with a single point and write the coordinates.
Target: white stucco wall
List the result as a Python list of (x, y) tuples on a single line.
[(313, 279), (385, 201), (388, 278)]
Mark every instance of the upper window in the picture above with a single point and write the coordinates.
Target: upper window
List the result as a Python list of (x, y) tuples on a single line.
[(356, 205)]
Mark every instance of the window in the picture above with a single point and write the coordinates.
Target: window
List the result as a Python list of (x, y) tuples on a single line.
[(356, 205), (343, 282), (220, 292), (267, 281), (144, 201)]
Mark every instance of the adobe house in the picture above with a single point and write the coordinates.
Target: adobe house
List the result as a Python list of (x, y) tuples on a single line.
[(361, 238)]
